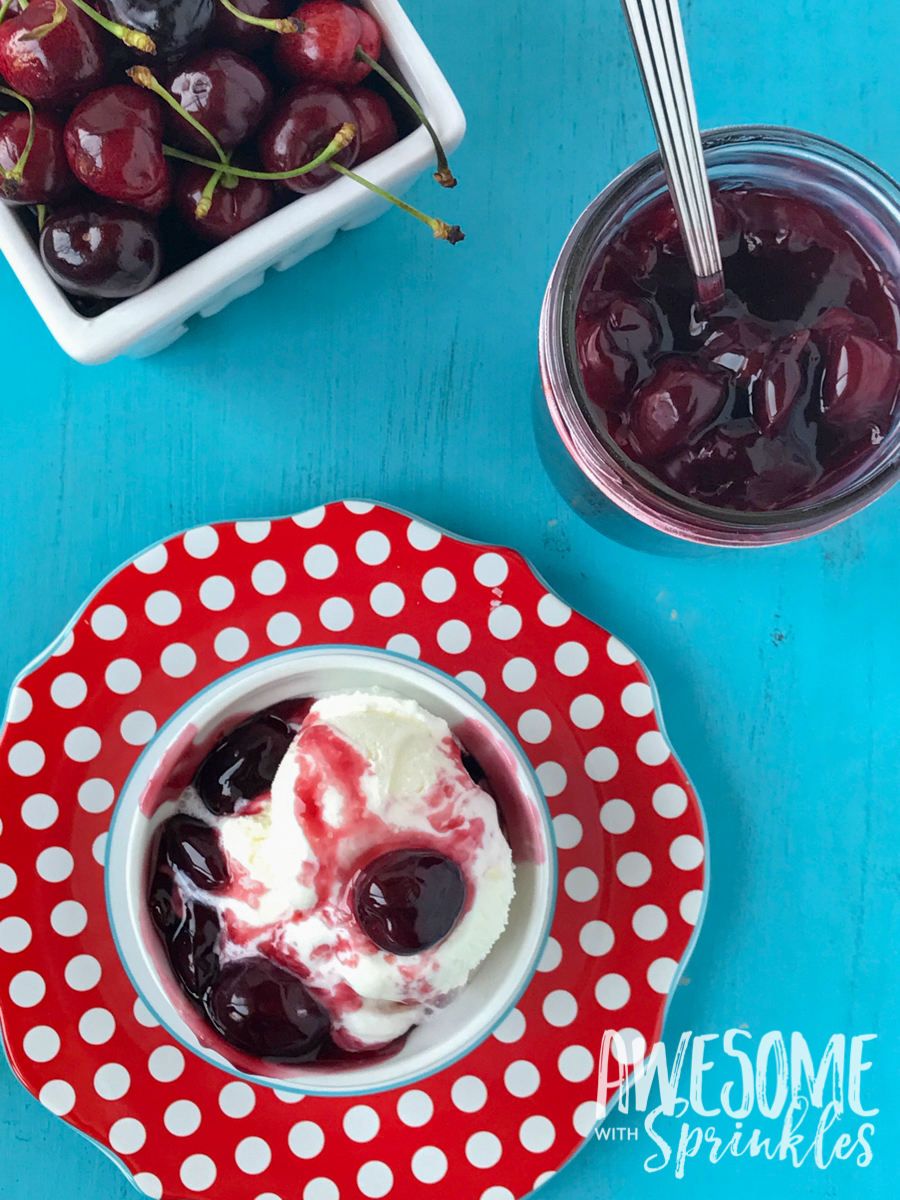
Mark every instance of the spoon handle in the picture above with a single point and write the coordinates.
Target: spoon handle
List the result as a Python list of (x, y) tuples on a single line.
[(658, 40)]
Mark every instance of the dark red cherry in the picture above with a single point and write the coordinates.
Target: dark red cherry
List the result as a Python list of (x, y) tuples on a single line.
[(375, 128), (267, 1011), (784, 469), (164, 900), (841, 320), (177, 27), (674, 404), (616, 339), (243, 764), (227, 93), (786, 381), (739, 347), (46, 178), (326, 50), (304, 123), (194, 948), (233, 209), (62, 66), (101, 249), (860, 385), (229, 30), (717, 467), (408, 900), (194, 848)]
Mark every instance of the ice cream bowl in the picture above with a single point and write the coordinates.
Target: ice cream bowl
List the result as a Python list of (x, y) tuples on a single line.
[(168, 762)]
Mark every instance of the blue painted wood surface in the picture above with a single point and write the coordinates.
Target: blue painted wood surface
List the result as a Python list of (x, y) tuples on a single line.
[(401, 369)]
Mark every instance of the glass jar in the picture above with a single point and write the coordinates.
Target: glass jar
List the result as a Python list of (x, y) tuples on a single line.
[(605, 486)]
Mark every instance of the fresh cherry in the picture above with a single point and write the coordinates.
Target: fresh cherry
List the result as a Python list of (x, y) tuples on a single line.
[(375, 127), (304, 123), (63, 66), (243, 764), (675, 403), (267, 1011), (408, 900), (101, 249), (326, 49), (194, 848), (46, 178), (232, 209), (229, 30), (176, 26), (617, 338), (225, 92)]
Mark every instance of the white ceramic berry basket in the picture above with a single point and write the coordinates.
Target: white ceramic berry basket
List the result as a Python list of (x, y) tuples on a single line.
[(150, 322)]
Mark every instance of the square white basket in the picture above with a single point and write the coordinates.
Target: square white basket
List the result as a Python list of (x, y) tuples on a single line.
[(153, 320)]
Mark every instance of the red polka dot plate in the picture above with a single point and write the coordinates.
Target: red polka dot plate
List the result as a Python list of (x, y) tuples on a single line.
[(630, 838)]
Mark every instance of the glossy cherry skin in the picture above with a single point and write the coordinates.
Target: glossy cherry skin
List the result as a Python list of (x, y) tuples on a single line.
[(194, 848), (243, 764), (229, 30), (616, 342), (101, 249), (265, 1010), (114, 145), (304, 123), (408, 900), (326, 50), (190, 933), (787, 379), (46, 178), (177, 27), (860, 384), (675, 403), (66, 64), (226, 92), (232, 210), (375, 127)]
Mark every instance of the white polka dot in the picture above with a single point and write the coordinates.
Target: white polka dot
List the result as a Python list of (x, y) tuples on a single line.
[(58, 1097), (122, 676), (438, 584), (82, 744), (686, 852), (41, 1043), (198, 1172), (473, 681), (27, 989), (483, 1149), (361, 1123), (237, 1099), (127, 1136), (20, 705), (505, 622), (511, 1028), (166, 1064), (617, 816), (560, 1008), (320, 562), (634, 869), (387, 599), (415, 1108), (253, 532), (283, 629), (522, 1078), (216, 593), (152, 561), (287, 1097), (596, 938), (108, 622), (111, 1081), (637, 700), (143, 1015), (268, 577), (618, 653), (429, 1164), (182, 1118), (537, 1134), (469, 1094), (422, 537), (404, 643), (576, 1063), (454, 637), (306, 1139), (552, 778), (336, 614), (552, 611), (96, 795), (491, 569), (551, 957), (97, 1026), (586, 711), (26, 758), (601, 764), (373, 548), (253, 1155), (567, 831), (55, 864), (15, 935), (670, 800), (633, 1039), (582, 884), (8, 880), (571, 658), (201, 542), (519, 674), (497, 1193), (690, 906), (40, 811), (83, 973), (311, 518), (68, 690), (374, 1179), (231, 644), (652, 748), (178, 660), (612, 991), (137, 728), (585, 1117), (69, 918), (649, 922), (534, 726), (66, 642), (660, 974), (358, 507), (162, 608), (149, 1184), (317, 1189)]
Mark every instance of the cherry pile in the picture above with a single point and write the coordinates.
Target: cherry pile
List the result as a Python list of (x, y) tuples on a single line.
[(139, 132), (776, 396)]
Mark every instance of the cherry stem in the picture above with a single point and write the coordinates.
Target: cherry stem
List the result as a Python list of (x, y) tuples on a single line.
[(440, 229), (60, 12), (13, 177), (41, 216), (204, 204), (342, 138), (4, 9), (131, 37), (276, 24), (145, 78), (443, 174)]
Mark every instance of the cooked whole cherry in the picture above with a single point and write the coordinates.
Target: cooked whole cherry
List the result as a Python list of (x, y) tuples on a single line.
[(225, 92), (46, 177), (267, 1011), (717, 467), (304, 123), (64, 65), (616, 340), (233, 209), (229, 30), (193, 948), (176, 26), (375, 127), (860, 384), (739, 347), (193, 847), (408, 900), (243, 764), (101, 249), (326, 50), (164, 900), (674, 404), (787, 379)]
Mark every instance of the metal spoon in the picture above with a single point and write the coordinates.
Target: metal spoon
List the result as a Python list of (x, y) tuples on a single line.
[(658, 40)]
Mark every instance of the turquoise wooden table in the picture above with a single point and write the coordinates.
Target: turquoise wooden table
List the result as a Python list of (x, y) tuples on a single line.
[(401, 369)]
